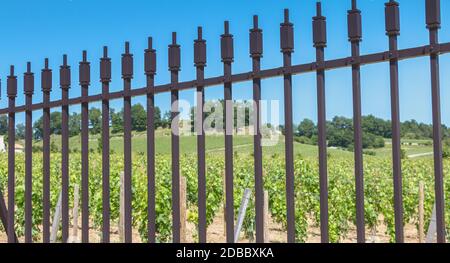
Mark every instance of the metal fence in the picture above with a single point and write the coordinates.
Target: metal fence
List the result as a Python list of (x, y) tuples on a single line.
[(320, 66)]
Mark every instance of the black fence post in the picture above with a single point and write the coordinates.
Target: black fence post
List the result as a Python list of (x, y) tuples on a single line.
[(65, 82), (174, 67), (433, 20), (256, 52), (105, 78), (150, 71), (200, 63), (46, 85), (28, 90), (392, 17), (227, 54), (85, 80), (355, 37), (12, 94), (320, 42), (127, 75), (287, 48)]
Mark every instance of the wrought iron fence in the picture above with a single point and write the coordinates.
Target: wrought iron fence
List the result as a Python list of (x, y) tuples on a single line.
[(320, 66)]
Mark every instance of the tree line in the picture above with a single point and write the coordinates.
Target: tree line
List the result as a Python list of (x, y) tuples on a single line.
[(375, 131), (339, 129), (138, 122)]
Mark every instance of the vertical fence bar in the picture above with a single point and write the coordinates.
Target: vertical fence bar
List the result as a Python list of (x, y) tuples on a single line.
[(12, 94), (227, 53), (28, 81), (320, 42), (287, 48), (256, 51), (127, 75), (85, 80), (433, 20), (46, 85), (105, 78), (200, 63), (392, 15), (150, 71), (65, 80), (355, 37), (174, 67)]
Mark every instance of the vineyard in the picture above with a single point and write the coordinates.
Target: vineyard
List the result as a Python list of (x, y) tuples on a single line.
[(378, 191)]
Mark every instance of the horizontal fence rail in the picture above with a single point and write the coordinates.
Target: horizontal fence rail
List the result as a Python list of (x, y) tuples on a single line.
[(320, 66)]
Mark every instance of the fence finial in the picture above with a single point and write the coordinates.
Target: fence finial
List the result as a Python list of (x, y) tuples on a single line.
[(150, 58), (287, 34), (354, 24), (150, 43), (174, 54), (28, 80), (226, 44), (256, 40), (199, 33), (392, 18), (84, 56), (174, 38), (319, 28), (255, 21), (286, 15), (11, 83), (200, 49), (319, 8)]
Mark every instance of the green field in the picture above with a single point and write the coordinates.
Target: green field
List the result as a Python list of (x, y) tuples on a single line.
[(241, 144)]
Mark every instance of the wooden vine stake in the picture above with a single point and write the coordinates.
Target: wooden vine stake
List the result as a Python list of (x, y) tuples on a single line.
[(183, 217), (122, 209), (421, 212), (76, 199), (266, 217)]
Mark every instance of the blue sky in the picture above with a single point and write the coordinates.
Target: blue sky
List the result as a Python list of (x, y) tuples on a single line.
[(34, 29)]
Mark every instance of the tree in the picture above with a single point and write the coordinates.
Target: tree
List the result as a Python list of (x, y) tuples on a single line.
[(157, 117), (166, 120), (74, 124), (55, 125), (116, 121), (20, 131), (3, 124), (306, 128), (138, 118), (95, 120)]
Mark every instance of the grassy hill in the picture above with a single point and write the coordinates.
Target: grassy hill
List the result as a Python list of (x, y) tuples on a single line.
[(215, 145)]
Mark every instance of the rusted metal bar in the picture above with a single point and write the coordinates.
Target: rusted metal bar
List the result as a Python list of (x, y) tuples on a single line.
[(105, 78), (12, 94), (28, 81), (127, 75), (433, 20), (256, 52), (320, 42), (200, 63), (355, 37), (46, 85), (150, 71), (392, 15), (65, 82), (287, 48), (85, 80), (402, 54), (174, 68), (227, 54)]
